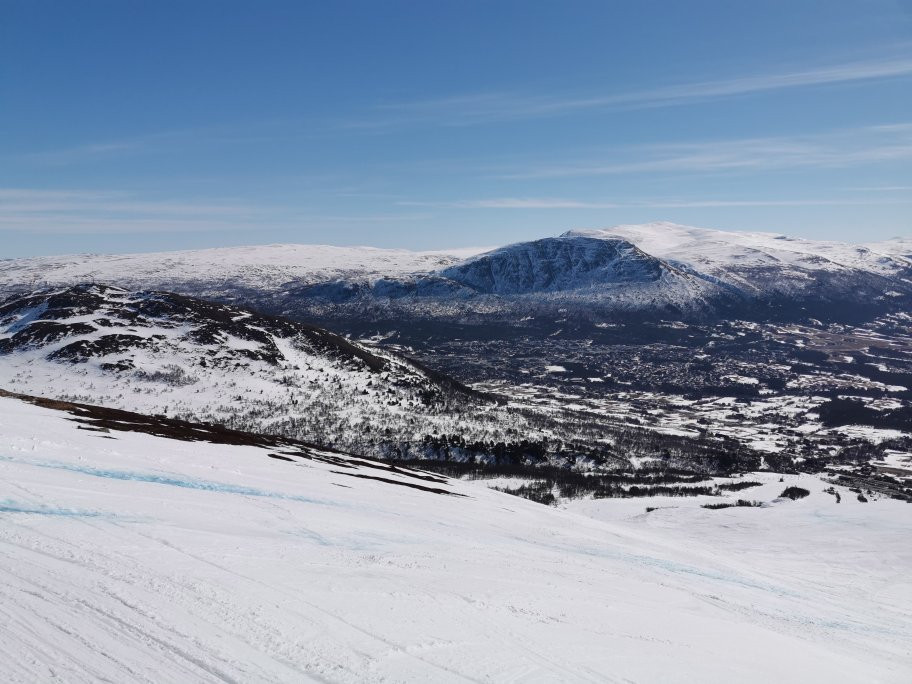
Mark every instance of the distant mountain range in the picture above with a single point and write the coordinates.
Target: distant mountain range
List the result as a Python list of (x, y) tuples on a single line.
[(657, 270)]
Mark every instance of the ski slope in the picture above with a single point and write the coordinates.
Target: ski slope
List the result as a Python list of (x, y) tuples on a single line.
[(126, 556)]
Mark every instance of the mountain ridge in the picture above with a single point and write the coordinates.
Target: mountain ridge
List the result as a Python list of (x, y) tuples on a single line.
[(658, 270)]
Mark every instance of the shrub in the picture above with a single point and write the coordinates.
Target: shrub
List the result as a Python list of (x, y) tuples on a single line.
[(740, 503), (794, 493), (738, 486)]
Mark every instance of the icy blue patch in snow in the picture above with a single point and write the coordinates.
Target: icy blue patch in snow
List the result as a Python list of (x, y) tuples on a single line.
[(169, 480), (677, 568), (680, 568), (310, 535), (13, 507), (792, 617)]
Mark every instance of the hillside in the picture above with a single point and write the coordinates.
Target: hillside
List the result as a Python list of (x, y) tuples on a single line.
[(167, 354), (159, 352), (143, 557)]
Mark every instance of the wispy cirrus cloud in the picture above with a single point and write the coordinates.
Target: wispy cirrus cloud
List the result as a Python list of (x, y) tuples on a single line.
[(832, 149), (491, 107), (29, 201), (882, 188), (95, 150), (93, 212), (80, 153), (513, 203), (269, 130), (560, 203)]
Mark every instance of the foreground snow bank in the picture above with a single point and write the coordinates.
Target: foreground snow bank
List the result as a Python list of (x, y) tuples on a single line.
[(130, 557)]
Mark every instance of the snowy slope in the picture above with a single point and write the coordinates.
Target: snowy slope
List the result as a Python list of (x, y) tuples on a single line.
[(133, 557), (898, 246), (716, 248), (763, 262), (158, 352)]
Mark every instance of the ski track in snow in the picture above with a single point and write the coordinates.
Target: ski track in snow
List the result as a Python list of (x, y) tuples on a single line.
[(145, 559)]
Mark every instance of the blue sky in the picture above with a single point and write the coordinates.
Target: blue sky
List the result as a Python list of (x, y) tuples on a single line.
[(136, 126)]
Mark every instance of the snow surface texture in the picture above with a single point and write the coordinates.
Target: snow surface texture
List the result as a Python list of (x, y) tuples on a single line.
[(130, 557)]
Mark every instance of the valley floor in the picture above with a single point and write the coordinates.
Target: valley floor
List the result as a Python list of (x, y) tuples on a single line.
[(130, 557)]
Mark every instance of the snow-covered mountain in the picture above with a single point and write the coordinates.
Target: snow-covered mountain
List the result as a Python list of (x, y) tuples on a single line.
[(581, 276), (705, 249), (657, 270), (263, 268), (143, 550), (767, 263), (556, 264), (162, 353)]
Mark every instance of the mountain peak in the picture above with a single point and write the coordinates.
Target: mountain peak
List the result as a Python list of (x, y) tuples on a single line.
[(567, 262)]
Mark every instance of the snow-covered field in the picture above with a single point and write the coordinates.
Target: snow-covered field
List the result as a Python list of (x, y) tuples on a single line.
[(129, 557)]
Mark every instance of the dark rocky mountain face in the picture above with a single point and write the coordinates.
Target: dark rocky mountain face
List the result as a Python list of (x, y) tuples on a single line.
[(578, 281), (556, 264)]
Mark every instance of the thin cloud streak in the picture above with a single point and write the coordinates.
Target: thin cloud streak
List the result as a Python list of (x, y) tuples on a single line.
[(554, 203), (513, 203), (867, 145), (23, 201), (883, 188), (492, 107), (218, 134), (81, 153), (73, 225), (112, 212), (82, 212)]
